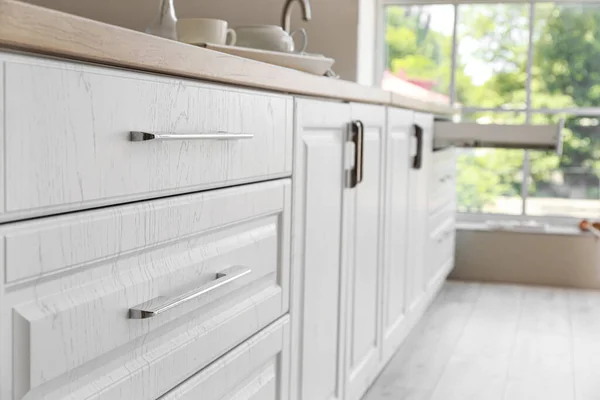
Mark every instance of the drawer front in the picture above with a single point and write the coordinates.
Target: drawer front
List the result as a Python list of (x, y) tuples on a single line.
[(258, 369), (441, 246), (441, 158), (72, 280), (439, 217), (442, 183), (443, 195), (67, 136)]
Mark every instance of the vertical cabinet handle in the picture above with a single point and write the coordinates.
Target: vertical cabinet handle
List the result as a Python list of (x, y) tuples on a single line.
[(418, 158), (355, 175)]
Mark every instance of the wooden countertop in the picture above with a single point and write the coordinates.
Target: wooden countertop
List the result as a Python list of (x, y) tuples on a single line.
[(40, 30)]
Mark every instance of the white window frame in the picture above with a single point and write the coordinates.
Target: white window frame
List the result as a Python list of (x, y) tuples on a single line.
[(380, 65)]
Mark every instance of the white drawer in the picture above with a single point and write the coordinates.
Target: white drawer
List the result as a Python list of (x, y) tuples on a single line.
[(442, 158), (71, 281), (258, 369), (442, 179), (441, 216), (441, 245), (442, 195), (67, 136)]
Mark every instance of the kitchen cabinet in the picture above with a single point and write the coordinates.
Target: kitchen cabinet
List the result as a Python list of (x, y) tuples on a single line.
[(418, 178), (363, 212), (442, 210), (318, 274), (394, 285), (321, 241), (360, 232)]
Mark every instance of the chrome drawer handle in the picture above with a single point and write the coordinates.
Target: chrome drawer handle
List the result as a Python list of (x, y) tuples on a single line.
[(137, 136), (161, 304)]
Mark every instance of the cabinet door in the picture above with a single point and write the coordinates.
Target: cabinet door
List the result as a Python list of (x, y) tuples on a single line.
[(363, 226), (321, 130), (399, 130), (418, 208)]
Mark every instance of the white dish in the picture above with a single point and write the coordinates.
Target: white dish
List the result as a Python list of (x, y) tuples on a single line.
[(312, 63)]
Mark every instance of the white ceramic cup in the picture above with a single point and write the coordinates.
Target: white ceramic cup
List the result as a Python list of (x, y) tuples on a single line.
[(205, 30), (269, 37)]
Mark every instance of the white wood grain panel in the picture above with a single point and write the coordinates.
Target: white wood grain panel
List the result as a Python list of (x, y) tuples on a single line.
[(67, 136), (44, 246), (440, 248), (263, 387), (160, 362), (5, 314), (442, 179), (363, 222), (396, 230), (438, 218), (250, 371), (72, 333), (318, 270), (2, 136), (443, 158)]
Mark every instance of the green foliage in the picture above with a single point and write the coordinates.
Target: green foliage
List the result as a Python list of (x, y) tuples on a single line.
[(565, 73)]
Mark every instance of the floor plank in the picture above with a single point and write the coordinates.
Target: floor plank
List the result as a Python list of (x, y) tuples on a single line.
[(425, 352), (499, 342), (477, 368), (584, 309), (541, 364)]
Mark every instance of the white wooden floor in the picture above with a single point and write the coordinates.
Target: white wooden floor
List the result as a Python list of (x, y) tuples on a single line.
[(489, 341)]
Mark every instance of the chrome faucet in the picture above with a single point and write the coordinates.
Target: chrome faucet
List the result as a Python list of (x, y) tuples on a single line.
[(287, 13)]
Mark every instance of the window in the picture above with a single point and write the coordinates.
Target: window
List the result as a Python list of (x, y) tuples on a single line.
[(529, 62), (490, 180)]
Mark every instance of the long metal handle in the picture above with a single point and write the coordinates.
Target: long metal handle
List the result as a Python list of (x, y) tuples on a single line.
[(418, 159), (161, 304), (361, 159), (137, 136), (355, 175)]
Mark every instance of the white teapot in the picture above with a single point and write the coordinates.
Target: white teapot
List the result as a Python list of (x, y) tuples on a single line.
[(269, 37)]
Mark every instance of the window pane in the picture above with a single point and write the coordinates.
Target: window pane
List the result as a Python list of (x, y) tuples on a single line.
[(565, 70), (492, 52), (490, 180), (419, 45), (568, 185)]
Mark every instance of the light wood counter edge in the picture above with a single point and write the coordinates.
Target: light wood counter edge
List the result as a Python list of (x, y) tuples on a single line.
[(399, 100), (36, 29)]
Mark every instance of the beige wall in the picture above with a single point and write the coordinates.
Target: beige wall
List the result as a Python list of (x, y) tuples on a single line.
[(333, 30), (528, 258)]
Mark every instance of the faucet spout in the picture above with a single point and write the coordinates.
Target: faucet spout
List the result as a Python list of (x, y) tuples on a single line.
[(287, 13)]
